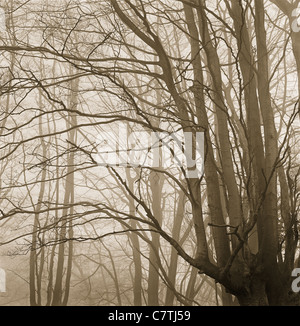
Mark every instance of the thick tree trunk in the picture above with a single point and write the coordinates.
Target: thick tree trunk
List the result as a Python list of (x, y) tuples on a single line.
[(259, 295), (256, 295)]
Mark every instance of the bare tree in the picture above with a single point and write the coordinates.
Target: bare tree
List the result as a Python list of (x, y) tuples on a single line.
[(223, 68)]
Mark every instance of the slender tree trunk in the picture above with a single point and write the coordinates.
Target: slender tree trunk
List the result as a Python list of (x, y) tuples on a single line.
[(253, 121), (56, 221), (34, 284), (213, 193), (66, 220), (234, 205), (153, 278), (269, 245), (137, 263), (190, 291), (177, 224)]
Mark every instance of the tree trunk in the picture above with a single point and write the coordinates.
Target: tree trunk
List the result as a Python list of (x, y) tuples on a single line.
[(257, 294), (221, 240), (153, 278), (137, 262), (177, 224), (66, 219), (34, 284)]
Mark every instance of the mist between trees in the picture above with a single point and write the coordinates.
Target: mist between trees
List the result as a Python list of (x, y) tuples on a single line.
[(77, 233)]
